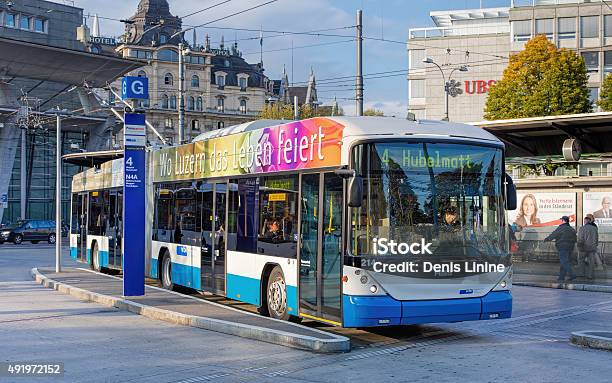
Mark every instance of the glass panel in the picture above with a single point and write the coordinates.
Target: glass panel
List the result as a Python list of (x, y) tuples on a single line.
[(566, 27), (608, 61), (185, 215), (111, 230), (164, 213), (248, 215), (219, 237), (593, 95), (205, 201), (167, 55), (75, 214), (591, 60), (588, 27), (309, 243), (521, 30), (449, 195), (96, 213), (608, 25), (10, 20), (277, 216), (39, 25), (24, 22), (332, 245), (544, 27)]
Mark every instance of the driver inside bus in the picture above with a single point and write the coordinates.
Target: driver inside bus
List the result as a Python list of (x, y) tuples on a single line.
[(450, 222)]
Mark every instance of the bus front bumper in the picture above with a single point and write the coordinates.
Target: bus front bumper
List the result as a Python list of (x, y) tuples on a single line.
[(365, 311)]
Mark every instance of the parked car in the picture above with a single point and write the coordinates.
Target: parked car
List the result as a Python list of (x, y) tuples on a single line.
[(30, 230)]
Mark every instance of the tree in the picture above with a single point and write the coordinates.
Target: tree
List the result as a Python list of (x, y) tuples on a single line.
[(605, 97), (541, 80), (373, 112), (276, 111)]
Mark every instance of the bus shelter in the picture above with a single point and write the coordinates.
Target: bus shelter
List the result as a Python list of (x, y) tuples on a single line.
[(562, 166)]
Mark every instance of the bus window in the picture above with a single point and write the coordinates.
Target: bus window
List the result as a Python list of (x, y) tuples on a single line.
[(164, 212), (277, 216), (185, 214), (75, 214), (96, 213), (248, 215)]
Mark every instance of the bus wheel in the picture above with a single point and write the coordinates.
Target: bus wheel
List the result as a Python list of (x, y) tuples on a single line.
[(51, 239), (95, 258), (276, 298), (166, 273)]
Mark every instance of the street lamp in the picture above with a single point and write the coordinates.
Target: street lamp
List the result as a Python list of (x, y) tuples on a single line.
[(181, 100), (450, 86)]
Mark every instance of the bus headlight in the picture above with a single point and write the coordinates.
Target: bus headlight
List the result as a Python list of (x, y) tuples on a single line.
[(373, 289)]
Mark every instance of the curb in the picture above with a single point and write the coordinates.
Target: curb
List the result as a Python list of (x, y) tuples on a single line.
[(567, 286), (338, 344), (592, 339)]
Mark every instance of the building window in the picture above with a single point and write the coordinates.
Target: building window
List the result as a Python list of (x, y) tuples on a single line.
[(199, 104), (11, 20), (168, 79), (39, 25), (220, 125), (243, 106), (163, 38), (588, 27), (195, 125), (24, 22), (417, 88), (168, 123), (173, 102), (594, 95), (591, 61), (566, 28), (608, 26), (190, 103), (167, 55), (608, 61), (195, 81), (142, 73), (521, 30), (164, 101), (242, 82), (220, 104), (544, 27), (416, 57), (220, 81)]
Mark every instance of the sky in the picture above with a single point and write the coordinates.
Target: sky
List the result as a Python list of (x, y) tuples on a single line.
[(332, 58)]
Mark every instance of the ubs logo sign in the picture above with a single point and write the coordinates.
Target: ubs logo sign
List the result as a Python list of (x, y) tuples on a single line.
[(478, 86)]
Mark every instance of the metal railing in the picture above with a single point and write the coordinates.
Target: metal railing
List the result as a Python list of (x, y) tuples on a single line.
[(535, 3), (475, 30)]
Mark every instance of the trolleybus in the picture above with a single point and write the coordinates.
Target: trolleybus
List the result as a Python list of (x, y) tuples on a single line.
[(351, 221)]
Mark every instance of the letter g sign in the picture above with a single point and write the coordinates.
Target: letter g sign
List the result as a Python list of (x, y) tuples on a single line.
[(135, 88)]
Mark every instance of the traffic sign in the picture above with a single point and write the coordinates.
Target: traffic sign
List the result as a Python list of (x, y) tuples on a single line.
[(135, 88), (134, 204)]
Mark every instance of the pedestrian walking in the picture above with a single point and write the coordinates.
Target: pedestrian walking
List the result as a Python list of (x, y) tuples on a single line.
[(588, 240), (565, 240)]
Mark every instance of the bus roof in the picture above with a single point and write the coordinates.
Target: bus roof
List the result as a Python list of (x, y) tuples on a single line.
[(369, 126)]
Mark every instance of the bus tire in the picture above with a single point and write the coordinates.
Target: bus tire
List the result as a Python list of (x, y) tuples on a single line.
[(95, 257), (276, 295), (51, 239), (165, 272)]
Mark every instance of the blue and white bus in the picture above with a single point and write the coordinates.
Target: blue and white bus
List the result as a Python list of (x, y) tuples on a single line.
[(351, 221)]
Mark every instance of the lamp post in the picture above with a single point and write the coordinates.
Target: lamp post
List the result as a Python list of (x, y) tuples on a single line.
[(181, 99), (447, 84)]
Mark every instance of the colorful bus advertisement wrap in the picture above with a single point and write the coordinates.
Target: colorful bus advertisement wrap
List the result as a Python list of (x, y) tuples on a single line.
[(307, 144)]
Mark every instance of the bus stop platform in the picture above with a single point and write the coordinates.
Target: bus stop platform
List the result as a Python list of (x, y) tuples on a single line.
[(177, 308)]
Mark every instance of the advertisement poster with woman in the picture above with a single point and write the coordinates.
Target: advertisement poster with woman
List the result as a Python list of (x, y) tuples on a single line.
[(536, 216), (543, 209)]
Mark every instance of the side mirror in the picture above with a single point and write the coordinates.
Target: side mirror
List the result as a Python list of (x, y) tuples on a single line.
[(510, 193), (355, 191)]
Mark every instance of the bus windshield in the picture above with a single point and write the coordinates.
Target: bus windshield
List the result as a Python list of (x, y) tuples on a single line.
[(439, 200)]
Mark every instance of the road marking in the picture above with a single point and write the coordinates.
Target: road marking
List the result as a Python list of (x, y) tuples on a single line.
[(203, 378)]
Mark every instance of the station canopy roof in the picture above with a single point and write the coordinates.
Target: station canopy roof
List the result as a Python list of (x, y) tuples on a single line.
[(72, 67), (543, 136), (92, 159)]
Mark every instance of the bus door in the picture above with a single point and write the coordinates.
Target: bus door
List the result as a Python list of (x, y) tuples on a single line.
[(321, 246), (115, 223), (82, 234), (213, 237)]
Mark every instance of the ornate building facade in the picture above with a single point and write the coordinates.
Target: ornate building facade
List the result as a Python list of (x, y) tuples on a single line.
[(220, 88)]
